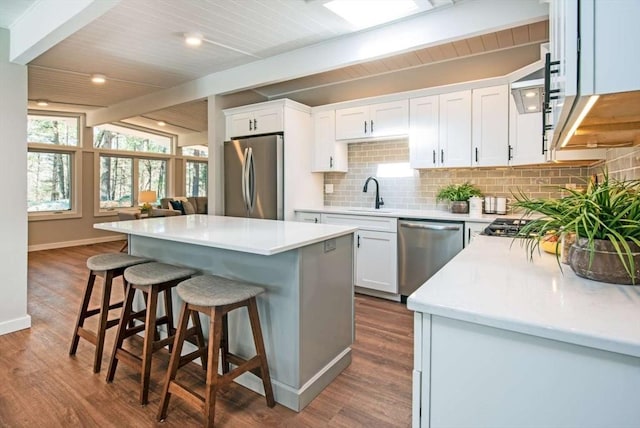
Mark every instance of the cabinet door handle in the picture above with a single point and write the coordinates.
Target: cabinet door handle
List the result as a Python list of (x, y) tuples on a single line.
[(315, 220), (434, 157), (250, 125), (510, 152), (255, 124), (476, 155), (358, 241), (441, 156), (372, 126), (469, 234), (365, 126), (330, 161)]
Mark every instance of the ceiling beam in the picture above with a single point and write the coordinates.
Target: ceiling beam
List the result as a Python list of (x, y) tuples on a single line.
[(49, 22), (442, 25)]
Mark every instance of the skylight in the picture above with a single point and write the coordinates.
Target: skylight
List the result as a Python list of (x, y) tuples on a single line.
[(367, 13)]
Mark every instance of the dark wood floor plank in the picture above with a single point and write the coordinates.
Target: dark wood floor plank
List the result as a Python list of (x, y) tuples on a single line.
[(41, 386)]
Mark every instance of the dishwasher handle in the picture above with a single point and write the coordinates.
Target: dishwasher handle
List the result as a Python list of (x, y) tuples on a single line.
[(428, 226)]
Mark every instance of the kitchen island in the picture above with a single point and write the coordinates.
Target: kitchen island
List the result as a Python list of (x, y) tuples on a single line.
[(502, 341), (307, 270)]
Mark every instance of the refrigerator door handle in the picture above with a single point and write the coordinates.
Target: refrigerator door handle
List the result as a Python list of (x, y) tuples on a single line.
[(245, 178), (251, 194)]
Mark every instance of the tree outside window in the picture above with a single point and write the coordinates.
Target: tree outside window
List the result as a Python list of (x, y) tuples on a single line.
[(196, 178), (116, 182)]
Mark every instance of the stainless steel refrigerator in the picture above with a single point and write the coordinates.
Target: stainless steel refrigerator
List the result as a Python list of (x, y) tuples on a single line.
[(253, 177)]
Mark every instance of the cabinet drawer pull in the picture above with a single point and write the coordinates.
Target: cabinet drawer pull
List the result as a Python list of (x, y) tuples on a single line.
[(476, 155), (250, 125), (330, 161), (365, 126), (442, 156), (372, 126), (434, 157)]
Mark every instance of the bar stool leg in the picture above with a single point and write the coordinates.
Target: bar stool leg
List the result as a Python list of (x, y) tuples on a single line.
[(168, 310), (200, 342), (102, 324), (259, 343), (82, 315), (224, 345), (215, 337), (147, 350), (125, 317), (174, 361)]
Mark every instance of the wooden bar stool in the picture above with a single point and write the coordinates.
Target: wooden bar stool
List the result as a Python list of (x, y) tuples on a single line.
[(108, 266), (215, 296), (151, 279)]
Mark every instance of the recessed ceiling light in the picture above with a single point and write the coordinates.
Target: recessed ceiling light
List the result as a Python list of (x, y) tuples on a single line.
[(42, 103), (367, 13), (98, 79), (161, 123), (193, 39), (532, 108), (530, 94)]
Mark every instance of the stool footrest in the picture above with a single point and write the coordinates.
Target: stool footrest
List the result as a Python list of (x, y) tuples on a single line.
[(87, 335), (245, 366), (186, 359), (159, 344), (129, 358), (186, 394)]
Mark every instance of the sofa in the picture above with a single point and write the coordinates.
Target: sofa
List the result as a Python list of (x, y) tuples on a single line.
[(180, 205)]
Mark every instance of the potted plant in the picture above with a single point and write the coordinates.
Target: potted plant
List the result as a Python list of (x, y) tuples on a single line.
[(458, 195), (605, 219)]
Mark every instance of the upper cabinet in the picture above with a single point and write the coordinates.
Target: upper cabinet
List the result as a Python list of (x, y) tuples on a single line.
[(252, 122), (329, 155), (441, 131), (373, 121), (525, 137), (490, 124)]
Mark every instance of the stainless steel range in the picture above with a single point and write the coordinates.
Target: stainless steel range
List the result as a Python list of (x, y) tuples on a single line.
[(507, 227)]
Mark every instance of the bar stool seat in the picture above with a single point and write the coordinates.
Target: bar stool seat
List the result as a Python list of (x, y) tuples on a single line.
[(215, 296), (151, 279), (107, 266)]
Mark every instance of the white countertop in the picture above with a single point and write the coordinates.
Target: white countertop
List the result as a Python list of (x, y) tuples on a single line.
[(247, 235), (401, 213), (493, 283)]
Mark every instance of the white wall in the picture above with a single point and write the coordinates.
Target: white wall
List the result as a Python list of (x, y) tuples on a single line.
[(13, 188)]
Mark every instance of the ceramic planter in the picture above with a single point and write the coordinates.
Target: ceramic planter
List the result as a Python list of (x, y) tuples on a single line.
[(460, 207), (606, 265)]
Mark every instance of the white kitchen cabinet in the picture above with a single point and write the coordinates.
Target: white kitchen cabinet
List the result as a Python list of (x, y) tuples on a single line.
[(373, 121), (525, 137), (307, 217), (490, 126), (376, 250), (473, 229), (455, 129), (376, 260), (424, 132), (329, 155), (254, 122), (441, 131)]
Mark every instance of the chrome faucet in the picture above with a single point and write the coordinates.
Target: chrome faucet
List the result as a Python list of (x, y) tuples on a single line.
[(379, 201)]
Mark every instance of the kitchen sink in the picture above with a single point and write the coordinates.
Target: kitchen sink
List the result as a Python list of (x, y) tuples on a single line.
[(369, 210)]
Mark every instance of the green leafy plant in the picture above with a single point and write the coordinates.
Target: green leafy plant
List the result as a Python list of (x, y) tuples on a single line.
[(458, 192), (609, 210)]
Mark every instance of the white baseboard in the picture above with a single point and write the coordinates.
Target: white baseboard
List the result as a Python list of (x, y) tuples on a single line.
[(10, 326), (64, 244)]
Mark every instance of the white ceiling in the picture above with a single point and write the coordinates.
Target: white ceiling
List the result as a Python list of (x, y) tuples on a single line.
[(138, 45)]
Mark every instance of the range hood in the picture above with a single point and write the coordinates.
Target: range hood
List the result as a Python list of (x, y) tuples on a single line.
[(528, 92)]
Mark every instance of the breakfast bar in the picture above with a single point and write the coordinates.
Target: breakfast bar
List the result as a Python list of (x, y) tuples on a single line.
[(307, 270)]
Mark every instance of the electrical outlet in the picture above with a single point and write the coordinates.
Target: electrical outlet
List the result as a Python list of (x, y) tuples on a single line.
[(328, 188), (329, 245)]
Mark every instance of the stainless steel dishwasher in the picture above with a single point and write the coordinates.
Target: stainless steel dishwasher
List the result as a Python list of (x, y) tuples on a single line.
[(423, 248)]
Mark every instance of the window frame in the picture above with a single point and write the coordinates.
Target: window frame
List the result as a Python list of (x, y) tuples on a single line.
[(136, 157), (202, 160), (75, 168)]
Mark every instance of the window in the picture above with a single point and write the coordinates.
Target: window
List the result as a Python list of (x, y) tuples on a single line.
[(53, 166), (130, 160), (49, 181), (196, 151), (57, 130), (114, 137), (196, 178)]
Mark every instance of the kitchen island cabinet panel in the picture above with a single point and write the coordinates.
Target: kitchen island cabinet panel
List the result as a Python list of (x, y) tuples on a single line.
[(481, 376)]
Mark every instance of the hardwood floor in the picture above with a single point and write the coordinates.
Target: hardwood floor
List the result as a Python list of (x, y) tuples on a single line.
[(41, 386)]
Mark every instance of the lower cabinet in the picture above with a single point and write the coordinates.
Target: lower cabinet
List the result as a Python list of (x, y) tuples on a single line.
[(376, 251), (473, 229), (307, 217), (376, 260)]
